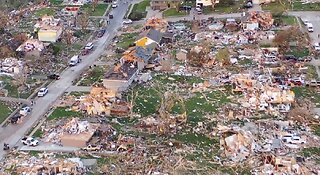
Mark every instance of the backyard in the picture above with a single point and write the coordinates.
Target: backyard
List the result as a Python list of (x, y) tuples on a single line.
[(277, 7), (173, 12), (226, 7), (125, 40), (61, 112), (5, 111), (45, 11), (99, 10)]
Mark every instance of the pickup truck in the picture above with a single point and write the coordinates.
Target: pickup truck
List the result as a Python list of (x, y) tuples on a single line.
[(30, 141)]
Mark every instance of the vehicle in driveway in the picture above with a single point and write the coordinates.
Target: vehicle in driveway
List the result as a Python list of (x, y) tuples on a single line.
[(54, 76), (316, 46), (30, 141), (42, 92), (25, 110)]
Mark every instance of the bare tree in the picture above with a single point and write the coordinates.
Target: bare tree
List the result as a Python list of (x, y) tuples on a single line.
[(83, 20), (6, 52), (67, 36), (94, 4), (223, 56), (3, 20), (21, 37)]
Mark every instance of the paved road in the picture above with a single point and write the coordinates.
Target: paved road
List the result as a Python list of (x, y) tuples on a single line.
[(79, 89), (190, 17), (12, 133)]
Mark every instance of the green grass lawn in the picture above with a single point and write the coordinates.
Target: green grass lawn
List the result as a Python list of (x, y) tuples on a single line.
[(141, 6), (5, 111), (275, 7), (61, 112), (99, 10), (56, 2), (289, 20), (173, 12), (126, 39), (45, 11), (298, 53), (223, 8), (94, 75), (38, 133)]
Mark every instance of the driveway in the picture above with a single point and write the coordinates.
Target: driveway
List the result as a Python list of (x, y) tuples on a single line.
[(12, 133)]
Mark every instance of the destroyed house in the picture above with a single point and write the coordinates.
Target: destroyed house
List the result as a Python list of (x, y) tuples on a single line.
[(31, 47), (257, 20), (164, 4), (148, 37), (139, 55), (157, 24), (121, 77), (50, 29)]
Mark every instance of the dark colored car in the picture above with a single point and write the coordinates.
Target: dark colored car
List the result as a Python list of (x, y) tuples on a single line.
[(54, 76), (185, 8), (101, 33), (14, 119), (290, 57)]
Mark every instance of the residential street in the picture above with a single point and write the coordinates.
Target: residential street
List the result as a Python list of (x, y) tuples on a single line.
[(12, 133)]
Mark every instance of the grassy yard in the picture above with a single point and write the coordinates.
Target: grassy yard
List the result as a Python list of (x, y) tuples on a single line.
[(276, 7), (288, 20), (5, 111), (225, 8), (99, 10), (298, 53), (125, 40), (173, 12), (45, 11), (38, 133), (141, 6), (61, 112), (56, 2), (94, 75)]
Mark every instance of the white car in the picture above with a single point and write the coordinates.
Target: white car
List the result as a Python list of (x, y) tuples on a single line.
[(89, 46), (114, 4), (127, 21), (244, 57), (25, 110), (305, 22), (42, 92), (294, 140), (30, 141), (316, 46)]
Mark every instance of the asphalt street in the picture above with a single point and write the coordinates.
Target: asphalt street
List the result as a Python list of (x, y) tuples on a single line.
[(11, 134)]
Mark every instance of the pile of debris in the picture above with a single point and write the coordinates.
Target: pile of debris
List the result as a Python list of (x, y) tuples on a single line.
[(74, 133), (43, 164), (102, 101), (263, 19)]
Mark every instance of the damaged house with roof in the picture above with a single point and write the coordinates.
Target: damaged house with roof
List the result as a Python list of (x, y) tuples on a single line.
[(148, 37), (49, 29)]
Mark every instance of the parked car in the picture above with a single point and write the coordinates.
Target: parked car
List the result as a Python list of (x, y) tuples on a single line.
[(30, 141), (127, 21), (14, 119), (101, 33), (89, 46), (290, 57), (316, 46), (114, 4), (74, 60), (25, 110), (185, 8), (54, 76), (42, 92), (92, 148)]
